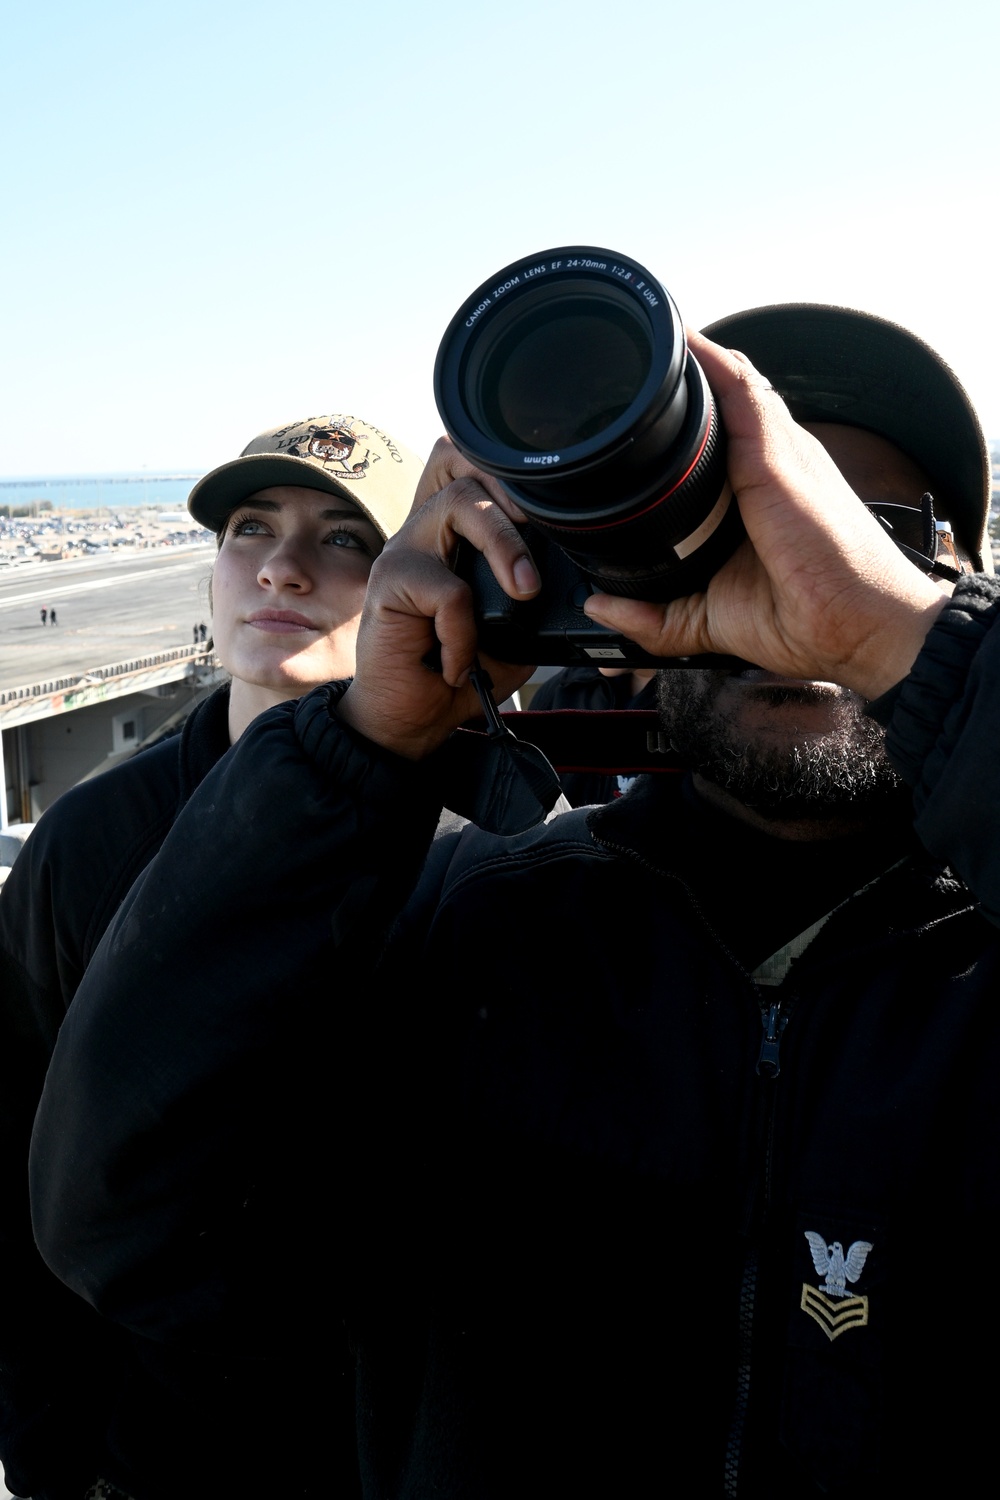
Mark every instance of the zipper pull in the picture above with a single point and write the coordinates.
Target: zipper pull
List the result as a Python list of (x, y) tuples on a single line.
[(774, 1023)]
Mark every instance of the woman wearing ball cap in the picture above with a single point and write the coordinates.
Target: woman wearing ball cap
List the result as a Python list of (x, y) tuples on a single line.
[(299, 516)]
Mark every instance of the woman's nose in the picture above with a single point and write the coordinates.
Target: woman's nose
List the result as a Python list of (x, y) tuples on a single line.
[(286, 568)]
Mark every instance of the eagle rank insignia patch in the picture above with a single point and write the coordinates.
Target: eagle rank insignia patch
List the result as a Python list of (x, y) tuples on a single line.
[(832, 1306)]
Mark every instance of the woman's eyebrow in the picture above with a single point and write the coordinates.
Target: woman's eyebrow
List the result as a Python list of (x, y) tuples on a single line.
[(275, 506)]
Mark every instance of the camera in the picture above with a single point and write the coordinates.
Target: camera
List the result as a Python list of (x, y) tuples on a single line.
[(567, 375)]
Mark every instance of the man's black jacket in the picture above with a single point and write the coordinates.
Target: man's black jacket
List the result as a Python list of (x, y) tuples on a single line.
[(634, 1222)]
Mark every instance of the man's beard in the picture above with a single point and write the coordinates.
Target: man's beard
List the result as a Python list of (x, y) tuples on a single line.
[(813, 776)]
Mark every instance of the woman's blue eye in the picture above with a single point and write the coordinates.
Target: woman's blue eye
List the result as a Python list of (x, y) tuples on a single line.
[(342, 536), (346, 538)]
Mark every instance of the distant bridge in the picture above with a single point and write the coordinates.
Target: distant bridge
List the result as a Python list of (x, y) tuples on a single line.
[(81, 479)]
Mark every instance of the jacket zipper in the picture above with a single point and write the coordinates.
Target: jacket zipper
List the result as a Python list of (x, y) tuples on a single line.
[(773, 1021), (769, 1057)]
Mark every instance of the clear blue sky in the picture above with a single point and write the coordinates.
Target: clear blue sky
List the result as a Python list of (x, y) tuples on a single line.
[(221, 216)]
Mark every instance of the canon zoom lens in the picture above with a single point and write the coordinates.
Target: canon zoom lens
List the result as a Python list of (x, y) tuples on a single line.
[(567, 375)]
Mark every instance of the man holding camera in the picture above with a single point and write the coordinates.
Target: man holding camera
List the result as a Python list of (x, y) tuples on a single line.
[(712, 1218)]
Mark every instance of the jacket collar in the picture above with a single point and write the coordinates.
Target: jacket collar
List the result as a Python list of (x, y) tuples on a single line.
[(655, 821), (203, 740)]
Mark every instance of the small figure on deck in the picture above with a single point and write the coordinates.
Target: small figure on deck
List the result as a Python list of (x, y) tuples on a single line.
[(45, 614), (203, 632), (52, 616)]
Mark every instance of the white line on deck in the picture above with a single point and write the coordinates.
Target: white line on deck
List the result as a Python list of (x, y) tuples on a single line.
[(98, 583)]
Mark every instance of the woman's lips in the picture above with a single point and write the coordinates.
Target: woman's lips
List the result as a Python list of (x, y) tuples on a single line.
[(280, 621)]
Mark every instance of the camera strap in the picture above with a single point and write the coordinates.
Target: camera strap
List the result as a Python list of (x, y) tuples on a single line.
[(936, 552), (506, 782), (497, 781), (606, 741)]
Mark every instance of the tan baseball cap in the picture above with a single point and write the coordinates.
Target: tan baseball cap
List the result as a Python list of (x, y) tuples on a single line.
[(339, 454)]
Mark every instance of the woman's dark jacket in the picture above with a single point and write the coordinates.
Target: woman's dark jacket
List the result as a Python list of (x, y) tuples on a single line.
[(61, 1368)]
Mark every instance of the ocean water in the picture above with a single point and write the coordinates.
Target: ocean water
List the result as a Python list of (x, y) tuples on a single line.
[(94, 491)]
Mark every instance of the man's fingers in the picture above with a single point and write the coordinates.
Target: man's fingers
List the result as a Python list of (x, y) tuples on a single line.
[(765, 442), (464, 510), (674, 629), (747, 399), (447, 465), (420, 602), (416, 603)]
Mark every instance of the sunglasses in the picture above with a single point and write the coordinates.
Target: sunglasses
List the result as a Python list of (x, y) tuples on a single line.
[(921, 537)]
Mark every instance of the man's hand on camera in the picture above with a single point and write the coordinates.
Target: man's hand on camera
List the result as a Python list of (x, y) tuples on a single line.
[(414, 602), (446, 466), (817, 590)]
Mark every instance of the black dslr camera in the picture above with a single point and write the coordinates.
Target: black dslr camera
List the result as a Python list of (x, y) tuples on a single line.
[(567, 375)]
